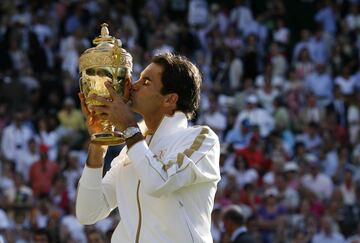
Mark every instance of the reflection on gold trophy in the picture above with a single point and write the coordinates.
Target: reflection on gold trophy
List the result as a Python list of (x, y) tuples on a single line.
[(107, 61)]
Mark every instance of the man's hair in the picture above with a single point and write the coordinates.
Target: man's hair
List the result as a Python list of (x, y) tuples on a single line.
[(234, 214), (182, 77)]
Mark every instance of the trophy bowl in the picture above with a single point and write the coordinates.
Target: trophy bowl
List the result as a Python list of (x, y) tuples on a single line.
[(107, 61)]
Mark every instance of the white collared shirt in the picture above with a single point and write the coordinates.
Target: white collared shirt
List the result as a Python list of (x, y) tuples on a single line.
[(237, 232)]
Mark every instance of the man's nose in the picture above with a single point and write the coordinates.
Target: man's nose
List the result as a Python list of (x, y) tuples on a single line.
[(136, 85)]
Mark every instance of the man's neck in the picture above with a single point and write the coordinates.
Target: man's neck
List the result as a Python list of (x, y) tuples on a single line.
[(153, 122)]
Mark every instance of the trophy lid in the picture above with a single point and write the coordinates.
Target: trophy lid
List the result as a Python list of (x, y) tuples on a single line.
[(108, 52)]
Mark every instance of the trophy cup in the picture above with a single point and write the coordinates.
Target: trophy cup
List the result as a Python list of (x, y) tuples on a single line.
[(107, 61)]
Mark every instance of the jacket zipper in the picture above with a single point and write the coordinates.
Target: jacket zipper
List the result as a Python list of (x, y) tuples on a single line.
[(186, 221), (139, 212)]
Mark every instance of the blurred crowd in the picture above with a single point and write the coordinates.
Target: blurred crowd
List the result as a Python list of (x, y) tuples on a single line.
[(281, 89)]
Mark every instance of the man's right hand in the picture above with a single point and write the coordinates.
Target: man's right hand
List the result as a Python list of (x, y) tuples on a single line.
[(96, 153)]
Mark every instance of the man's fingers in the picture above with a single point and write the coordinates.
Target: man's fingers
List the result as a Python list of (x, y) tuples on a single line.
[(127, 89), (100, 99), (99, 109), (84, 108), (112, 91)]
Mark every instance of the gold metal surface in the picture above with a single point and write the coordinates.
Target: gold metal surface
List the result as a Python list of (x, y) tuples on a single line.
[(107, 61)]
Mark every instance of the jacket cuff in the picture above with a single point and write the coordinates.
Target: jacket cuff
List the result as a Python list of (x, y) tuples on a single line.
[(91, 177)]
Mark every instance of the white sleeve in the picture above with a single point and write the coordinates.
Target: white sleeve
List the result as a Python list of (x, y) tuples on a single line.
[(96, 196), (195, 161)]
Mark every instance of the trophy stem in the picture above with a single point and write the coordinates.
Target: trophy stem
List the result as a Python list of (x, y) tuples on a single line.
[(108, 136)]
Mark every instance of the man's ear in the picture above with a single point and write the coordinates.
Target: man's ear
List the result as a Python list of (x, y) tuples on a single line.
[(171, 100)]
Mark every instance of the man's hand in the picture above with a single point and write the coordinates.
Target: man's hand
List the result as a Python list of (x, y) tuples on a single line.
[(93, 123), (96, 152), (113, 109)]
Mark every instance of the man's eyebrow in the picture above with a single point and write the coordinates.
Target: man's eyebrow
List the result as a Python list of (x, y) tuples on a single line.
[(142, 75)]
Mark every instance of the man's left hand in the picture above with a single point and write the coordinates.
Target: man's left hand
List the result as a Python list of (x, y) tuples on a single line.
[(113, 109)]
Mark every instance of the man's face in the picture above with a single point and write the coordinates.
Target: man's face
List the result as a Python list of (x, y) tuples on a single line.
[(145, 96), (227, 226)]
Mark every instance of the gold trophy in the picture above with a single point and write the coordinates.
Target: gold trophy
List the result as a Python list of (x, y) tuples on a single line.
[(107, 61)]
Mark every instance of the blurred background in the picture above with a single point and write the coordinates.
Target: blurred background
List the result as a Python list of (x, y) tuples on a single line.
[(281, 89)]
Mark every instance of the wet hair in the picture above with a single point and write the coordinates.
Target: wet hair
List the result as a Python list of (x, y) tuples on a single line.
[(182, 77)]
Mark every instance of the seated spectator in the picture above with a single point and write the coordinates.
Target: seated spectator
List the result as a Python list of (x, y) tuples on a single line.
[(281, 114), (348, 189), (320, 83), (288, 197), (235, 226), (346, 82), (267, 93), (291, 171), (326, 233), (311, 112), (60, 195), (304, 66), (311, 137), (214, 117), (281, 33), (28, 157), (70, 118), (249, 196), (42, 173), (19, 196), (270, 215), (317, 182), (278, 61), (239, 137), (48, 134), (257, 116), (253, 155), (15, 137)]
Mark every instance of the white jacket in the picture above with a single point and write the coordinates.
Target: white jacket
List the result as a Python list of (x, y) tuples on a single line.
[(164, 187)]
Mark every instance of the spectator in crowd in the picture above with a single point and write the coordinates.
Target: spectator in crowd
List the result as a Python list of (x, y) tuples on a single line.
[(70, 118), (42, 173), (320, 84), (256, 115), (15, 137), (327, 233), (270, 215), (304, 66), (235, 226), (239, 137), (317, 182)]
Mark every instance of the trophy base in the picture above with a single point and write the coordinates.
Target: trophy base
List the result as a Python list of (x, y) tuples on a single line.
[(107, 138)]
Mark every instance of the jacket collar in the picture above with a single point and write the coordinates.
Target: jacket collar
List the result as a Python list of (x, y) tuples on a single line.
[(168, 125)]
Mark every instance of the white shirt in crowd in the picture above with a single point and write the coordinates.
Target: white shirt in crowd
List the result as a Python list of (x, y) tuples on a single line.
[(347, 86), (14, 141), (321, 185), (333, 238)]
